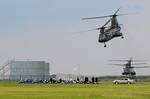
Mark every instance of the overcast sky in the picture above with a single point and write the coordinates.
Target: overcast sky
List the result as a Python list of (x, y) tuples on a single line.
[(47, 30)]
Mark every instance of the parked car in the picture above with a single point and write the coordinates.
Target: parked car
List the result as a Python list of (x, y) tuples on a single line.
[(124, 81)]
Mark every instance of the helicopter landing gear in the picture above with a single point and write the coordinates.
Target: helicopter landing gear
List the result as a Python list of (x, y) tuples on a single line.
[(105, 45), (122, 37)]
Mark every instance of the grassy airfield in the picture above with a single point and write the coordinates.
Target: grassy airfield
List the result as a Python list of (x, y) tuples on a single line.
[(105, 90)]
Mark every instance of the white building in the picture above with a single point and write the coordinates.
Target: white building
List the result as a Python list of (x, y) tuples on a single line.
[(27, 70), (69, 77)]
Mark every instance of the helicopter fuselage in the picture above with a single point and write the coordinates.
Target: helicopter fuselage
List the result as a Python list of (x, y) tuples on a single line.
[(109, 34), (128, 71)]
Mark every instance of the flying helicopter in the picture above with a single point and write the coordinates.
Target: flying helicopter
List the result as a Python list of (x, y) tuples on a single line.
[(128, 67), (109, 32)]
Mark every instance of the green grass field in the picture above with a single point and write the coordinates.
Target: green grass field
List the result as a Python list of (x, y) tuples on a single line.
[(106, 90)]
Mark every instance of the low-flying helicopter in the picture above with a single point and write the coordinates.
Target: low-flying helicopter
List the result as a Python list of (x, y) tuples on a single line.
[(128, 67), (109, 32)]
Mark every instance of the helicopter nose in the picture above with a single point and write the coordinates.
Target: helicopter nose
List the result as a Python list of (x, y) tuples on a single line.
[(101, 40)]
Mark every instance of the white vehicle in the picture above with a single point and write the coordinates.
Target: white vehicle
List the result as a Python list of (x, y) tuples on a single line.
[(124, 81)]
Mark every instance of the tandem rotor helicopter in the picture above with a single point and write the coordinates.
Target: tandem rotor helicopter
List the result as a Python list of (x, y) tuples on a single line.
[(109, 32), (128, 67)]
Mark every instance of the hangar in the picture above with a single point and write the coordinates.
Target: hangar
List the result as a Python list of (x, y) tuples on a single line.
[(17, 70)]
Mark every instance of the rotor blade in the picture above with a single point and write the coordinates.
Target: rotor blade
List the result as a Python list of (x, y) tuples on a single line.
[(143, 67), (118, 64), (96, 17), (107, 22), (122, 14), (139, 60), (129, 60), (120, 60), (127, 14), (117, 11), (87, 30), (138, 63), (110, 27)]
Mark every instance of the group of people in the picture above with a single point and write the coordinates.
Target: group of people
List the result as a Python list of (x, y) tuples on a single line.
[(86, 80)]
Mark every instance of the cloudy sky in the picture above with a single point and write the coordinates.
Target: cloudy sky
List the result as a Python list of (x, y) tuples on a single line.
[(48, 30)]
